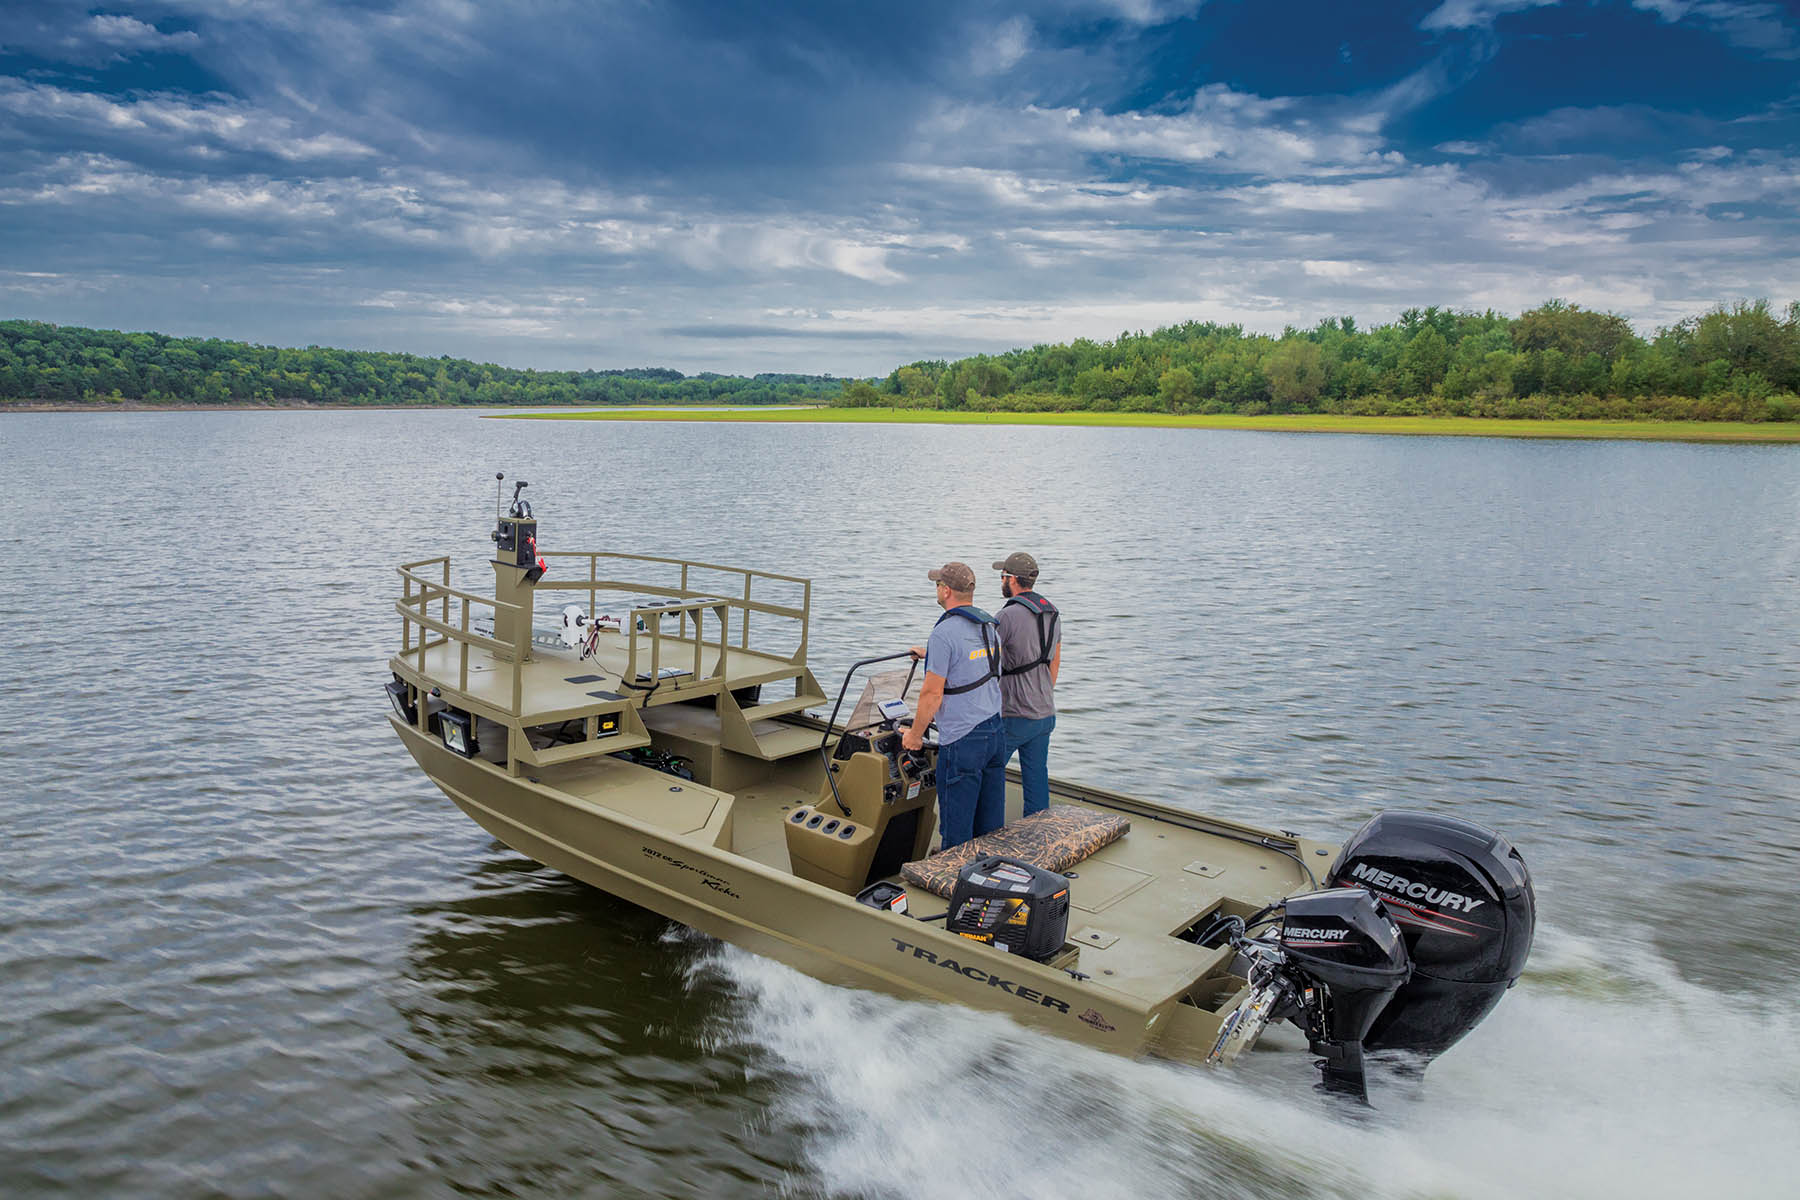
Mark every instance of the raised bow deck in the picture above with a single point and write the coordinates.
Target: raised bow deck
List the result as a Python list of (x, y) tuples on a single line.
[(676, 642)]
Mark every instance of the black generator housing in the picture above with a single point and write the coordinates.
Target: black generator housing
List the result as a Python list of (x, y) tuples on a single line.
[(1010, 905)]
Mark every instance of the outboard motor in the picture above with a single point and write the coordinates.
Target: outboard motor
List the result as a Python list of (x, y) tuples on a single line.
[(1424, 924), (1462, 897), (1350, 959)]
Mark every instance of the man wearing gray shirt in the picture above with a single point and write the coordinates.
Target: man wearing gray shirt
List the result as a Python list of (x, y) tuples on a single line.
[(962, 692), (1031, 641)]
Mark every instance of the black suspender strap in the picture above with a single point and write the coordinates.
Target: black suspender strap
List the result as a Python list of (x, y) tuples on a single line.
[(1045, 650), (993, 655)]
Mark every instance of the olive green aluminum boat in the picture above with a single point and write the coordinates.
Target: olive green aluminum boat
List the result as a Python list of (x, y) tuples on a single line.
[(565, 752)]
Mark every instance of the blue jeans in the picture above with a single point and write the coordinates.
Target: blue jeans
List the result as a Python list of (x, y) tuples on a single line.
[(971, 783), (1030, 736)]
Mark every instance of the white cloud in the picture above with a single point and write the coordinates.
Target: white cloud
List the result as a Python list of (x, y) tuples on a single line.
[(131, 33), (1765, 28), (718, 246), (1021, 191), (42, 286), (1003, 48), (1423, 191), (492, 222), (1220, 129), (532, 314), (198, 126), (1476, 14), (1139, 12)]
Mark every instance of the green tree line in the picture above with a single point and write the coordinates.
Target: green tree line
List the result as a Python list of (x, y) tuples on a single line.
[(1738, 362), (63, 364)]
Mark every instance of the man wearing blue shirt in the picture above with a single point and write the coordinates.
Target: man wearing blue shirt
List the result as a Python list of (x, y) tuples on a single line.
[(962, 692)]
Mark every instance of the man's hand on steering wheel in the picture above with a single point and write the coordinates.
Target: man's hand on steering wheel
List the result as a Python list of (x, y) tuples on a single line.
[(913, 738)]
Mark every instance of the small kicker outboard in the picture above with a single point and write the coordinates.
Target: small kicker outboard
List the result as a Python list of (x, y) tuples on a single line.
[(1424, 923)]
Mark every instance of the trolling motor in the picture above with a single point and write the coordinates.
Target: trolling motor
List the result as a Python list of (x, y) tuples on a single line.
[(1424, 924)]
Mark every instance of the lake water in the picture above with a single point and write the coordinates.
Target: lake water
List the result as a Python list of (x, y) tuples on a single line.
[(247, 950)]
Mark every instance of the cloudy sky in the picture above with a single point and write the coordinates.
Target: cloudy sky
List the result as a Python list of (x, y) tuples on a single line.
[(827, 186)]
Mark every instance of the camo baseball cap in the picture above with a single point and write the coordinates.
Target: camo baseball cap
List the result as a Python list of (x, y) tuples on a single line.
[(1020, 566), (958, 577)]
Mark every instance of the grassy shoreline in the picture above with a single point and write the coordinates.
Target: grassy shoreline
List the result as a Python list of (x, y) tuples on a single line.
[(1673, 431), (1771, 433)]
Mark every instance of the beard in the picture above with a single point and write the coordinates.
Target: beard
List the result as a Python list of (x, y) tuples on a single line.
[(1006, 589)]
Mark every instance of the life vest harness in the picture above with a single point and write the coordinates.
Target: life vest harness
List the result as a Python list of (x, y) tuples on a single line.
[(1047, 618), (969, 612)]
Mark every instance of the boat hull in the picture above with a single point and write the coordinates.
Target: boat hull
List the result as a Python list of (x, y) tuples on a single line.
[(764, 911)]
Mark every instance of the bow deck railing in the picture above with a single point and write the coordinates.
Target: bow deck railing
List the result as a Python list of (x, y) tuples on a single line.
[(740, 598), (419, 594), (686, 634)]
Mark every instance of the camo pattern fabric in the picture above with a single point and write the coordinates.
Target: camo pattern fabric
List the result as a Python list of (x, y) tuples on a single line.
[(1055, 839)]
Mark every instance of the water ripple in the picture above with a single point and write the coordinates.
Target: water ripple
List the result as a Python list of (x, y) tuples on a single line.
[(246, 950)]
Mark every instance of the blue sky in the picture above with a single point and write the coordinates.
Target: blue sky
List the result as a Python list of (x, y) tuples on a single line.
[(840, 187)]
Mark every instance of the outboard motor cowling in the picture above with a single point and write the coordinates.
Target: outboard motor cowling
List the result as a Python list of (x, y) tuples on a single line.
[(1462, 897)]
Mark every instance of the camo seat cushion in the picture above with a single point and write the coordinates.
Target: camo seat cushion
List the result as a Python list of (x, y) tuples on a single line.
[(1055, 839)]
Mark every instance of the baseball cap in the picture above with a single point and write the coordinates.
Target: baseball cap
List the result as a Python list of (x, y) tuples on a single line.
[(1019, 565), (958, 577)]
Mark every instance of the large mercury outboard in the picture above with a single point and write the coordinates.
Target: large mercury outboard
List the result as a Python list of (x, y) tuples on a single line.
[(1424, 923), (1462, 896)]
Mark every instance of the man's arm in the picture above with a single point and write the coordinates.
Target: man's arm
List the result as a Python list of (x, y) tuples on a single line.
[(931, 697), (1055, 664)]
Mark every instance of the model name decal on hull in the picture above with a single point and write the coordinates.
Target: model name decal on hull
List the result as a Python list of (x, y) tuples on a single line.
[(1093, 1017), (715, 882), (1401, 886), (1011, 988)]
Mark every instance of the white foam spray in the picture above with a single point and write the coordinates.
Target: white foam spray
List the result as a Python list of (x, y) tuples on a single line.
[(1602, 1074)]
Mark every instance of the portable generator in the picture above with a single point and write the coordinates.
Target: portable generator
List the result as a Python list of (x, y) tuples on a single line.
[(1010, 905)]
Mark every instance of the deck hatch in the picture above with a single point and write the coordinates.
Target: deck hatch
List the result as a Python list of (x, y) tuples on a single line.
[(686, 811), (1099, 885)]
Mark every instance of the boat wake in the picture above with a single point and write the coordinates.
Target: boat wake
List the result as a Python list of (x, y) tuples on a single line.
[(1603, 1074)]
